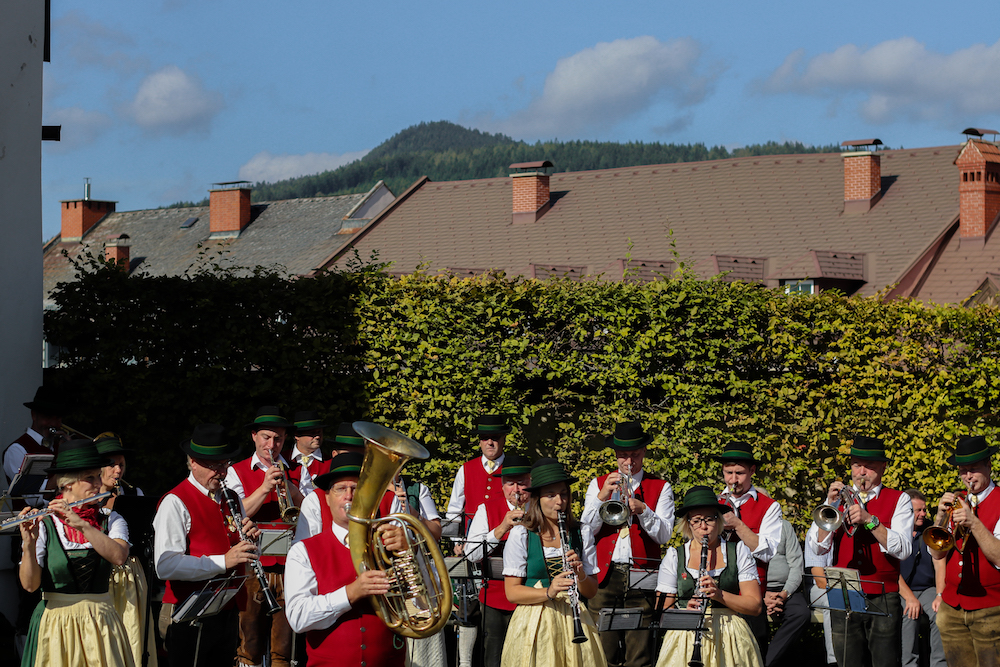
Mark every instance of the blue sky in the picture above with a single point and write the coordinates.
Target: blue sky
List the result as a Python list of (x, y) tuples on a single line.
[(161, 98)]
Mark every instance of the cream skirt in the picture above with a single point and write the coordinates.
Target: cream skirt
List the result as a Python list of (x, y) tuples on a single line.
[(81, 630), (541, 635), (727, 643), (128, 593)]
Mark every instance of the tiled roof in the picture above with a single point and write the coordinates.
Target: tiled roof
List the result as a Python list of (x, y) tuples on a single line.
[(775, 208)]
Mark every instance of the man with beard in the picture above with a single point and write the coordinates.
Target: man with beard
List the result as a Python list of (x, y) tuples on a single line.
[(921, 582)]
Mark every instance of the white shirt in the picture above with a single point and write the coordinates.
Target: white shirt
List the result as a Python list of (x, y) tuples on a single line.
[(666, 578), (809, 554), (305, 608), (769, 535), (117, 530), (515, 554), (480, 532), (306, 485), (658, 522), (310, 516), (456, 505), (898, 542), (233, 479), (171, 526)]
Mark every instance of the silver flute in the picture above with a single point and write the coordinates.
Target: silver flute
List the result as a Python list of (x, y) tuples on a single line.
[(17, 520)]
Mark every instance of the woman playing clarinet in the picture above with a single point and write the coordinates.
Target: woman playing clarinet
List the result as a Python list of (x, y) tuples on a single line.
[(69, 554), (728, 586), (547, 578)]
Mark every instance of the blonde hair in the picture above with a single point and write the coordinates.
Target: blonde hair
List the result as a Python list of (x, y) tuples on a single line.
[(685, 527), (65, 478)]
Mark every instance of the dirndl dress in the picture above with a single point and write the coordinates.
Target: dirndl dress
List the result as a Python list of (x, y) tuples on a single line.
[(129, 591), (728, 642)]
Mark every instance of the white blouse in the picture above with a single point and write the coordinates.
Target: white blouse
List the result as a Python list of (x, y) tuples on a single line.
[(117, 530), (515, 554), (666, 578)]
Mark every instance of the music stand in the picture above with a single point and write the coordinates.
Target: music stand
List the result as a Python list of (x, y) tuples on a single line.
[(211, 599), (138, 512), (275, 538), (31, 477), (848, 595)]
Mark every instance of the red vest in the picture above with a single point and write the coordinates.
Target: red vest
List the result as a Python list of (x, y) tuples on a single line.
[(645, 549), (316, 468), (324, 511), (268, 512), (863, 553), (494, 595), (358, 637), (479, 486), (752, 514), (971, 582), (210, 535)]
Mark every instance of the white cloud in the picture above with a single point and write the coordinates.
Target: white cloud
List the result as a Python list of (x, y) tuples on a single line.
[(172, 101), (270, 168), (898, 78), (603, 85), (79, 127)]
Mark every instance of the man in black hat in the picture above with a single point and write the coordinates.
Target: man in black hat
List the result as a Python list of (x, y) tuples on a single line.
[(307, 457), (313, 514), (650, 522), (884, 520), (969, 615), (258, 480), (755, 520), (42, 437), (326, 597), (488, 530), (194, 542)]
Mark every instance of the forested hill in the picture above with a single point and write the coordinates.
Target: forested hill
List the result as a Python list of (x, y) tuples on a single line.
[(444, 151)]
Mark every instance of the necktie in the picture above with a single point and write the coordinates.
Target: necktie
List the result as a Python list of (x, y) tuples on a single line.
[(491, 466), (305, 461)]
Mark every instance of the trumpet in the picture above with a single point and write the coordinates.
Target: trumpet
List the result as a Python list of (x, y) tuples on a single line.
[(616, 511), (728, 498), (289, 512), (18, 520), (944, 535), (831, 517), (520, 503)]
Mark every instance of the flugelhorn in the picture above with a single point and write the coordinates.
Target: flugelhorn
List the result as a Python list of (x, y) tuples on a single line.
[(944, 535), (830, 517), (289, 512), (616, 511), (419, 600)]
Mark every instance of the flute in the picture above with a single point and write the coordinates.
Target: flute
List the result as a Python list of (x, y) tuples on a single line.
[(573, 592), (17, 520)]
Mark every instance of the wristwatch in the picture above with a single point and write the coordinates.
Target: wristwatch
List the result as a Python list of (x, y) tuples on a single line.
[(873, 524)]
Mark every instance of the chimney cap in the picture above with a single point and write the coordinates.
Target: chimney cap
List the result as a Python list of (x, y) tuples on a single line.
[(233, 185), (979, 132), (862, 143), (527, 167)]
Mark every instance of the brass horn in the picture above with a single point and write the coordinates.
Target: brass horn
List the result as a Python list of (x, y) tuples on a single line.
[(616, 511), (944, 535), (419, 600)]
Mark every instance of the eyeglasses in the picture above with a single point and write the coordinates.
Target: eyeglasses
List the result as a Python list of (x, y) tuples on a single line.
[(342, 490), (703, 521)]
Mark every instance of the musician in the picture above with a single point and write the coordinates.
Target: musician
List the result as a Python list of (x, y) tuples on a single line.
[(47, 411), (488, 532), (257, 481), (784, 600), (969, 616), (729, 583), (921, 583), (539, 571), (326, 598), (884, 518), (314, 513), (113, 476), (70, 558), (307, 458), (755, 519), (194, 542), (618, 548)]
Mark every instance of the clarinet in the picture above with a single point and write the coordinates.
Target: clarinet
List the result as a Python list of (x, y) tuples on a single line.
[(573, 593), (236, 512), (703, 604)]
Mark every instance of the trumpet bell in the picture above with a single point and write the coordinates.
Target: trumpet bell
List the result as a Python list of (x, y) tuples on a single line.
[(827, 518), (938, 538), (614, 513)]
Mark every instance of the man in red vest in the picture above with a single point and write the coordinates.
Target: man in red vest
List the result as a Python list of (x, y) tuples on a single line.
[(327, 599), (755, 520), (636, 543), (969, 615), (489, 528), (256, 481), (306, 458), (194, 542), (314, 515), (46, 420), (884, 520)]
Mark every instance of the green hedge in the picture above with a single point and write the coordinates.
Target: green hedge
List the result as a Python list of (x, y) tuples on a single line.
[(698, 362)]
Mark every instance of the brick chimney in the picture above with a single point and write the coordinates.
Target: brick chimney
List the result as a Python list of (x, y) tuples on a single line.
[(229, 208), (978, 187), (530, 182), (80, 215), (862, 175), (117, 250)]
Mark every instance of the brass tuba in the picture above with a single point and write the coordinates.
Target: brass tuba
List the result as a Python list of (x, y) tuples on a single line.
[(419, 600)]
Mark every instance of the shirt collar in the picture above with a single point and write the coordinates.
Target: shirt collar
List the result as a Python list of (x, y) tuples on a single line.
[(752, 493), (874, 491), (35, 435), (498, 461), (338, 532), (315, 456), (197, 485), (257, 462), (985, 492)]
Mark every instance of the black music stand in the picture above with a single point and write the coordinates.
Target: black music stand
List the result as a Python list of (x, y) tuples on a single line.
[(209, 601), (31, 477), (138, 512), (844, 593)]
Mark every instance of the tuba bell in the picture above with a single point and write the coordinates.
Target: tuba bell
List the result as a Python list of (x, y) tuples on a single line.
[(419, 600)]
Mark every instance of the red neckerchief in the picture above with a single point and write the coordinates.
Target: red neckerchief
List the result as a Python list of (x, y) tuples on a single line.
[(86, 512)]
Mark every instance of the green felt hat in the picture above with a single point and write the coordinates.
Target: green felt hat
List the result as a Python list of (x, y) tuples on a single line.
[(701, 497), (341, 465), (269, 416), (513, 464), (869, 449), (492, 425), (77, 455), (548, 471), (628, 436), (308, 420), (347, 436), (737, 451), (111, 443), (208, 442), (971, 450)]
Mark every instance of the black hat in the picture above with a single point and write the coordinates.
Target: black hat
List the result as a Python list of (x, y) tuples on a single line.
[(77, 455), (701, 496), (971, 450), (269, 416), (208, 442), (47, 401), (307, 420), (347, 436), (869, 449), (513, 464), (737, 451), (548, 471), (492, 425), (111, 443), (628, 436), (341, 465)]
